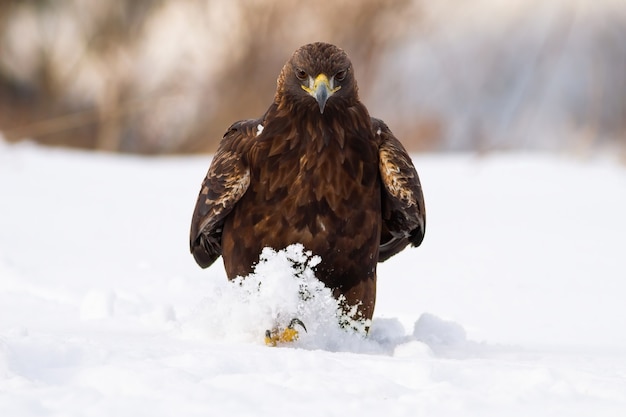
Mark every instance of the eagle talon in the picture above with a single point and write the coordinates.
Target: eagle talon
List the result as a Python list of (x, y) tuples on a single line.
[(297, 321), (290, 334)]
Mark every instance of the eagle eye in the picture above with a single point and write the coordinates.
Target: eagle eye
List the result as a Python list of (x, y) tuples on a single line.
[(301, 74), (341, 75)]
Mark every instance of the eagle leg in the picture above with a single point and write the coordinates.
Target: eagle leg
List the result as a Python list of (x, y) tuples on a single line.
[(290, 334)]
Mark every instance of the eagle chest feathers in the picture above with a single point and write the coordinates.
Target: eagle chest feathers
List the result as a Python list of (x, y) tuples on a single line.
[(321, 190)]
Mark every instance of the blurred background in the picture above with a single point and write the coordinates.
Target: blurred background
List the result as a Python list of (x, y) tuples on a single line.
[(169, 76)]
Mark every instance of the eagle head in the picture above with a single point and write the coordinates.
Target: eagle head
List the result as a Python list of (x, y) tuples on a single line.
[(318, 75)]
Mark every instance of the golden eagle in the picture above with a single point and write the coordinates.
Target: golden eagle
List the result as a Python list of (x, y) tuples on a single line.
[(316, 169)]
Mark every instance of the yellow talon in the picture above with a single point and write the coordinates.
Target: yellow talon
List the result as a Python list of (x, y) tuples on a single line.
[(271, 338), (288, 335)]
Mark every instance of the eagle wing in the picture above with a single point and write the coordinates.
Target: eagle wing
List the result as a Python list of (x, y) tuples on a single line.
[(226, 182), (403, 211)]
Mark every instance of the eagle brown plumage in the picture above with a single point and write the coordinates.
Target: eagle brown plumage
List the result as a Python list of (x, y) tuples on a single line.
[(316, 169)]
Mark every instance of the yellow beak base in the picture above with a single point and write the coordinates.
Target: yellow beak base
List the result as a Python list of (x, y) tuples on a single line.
[(321, 90)]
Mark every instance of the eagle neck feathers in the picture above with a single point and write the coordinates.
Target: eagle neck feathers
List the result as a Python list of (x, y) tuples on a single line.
[(301, 125)]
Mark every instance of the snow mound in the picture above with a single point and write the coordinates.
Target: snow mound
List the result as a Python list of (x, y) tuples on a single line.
[(445, 338), (283, 286)]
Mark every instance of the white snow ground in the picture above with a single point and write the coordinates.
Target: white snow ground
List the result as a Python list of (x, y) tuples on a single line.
[(513, 306)]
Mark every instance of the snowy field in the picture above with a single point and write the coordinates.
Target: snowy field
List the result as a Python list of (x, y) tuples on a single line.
[(514, 305)]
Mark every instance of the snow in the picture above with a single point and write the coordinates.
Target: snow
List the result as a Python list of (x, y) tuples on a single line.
[(512, 306)]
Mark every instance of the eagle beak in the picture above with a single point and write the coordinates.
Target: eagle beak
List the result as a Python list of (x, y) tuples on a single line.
[(320, 89)]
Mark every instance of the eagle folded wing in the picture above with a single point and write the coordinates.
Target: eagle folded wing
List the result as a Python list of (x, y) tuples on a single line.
[(226, 182), (403, 211)]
